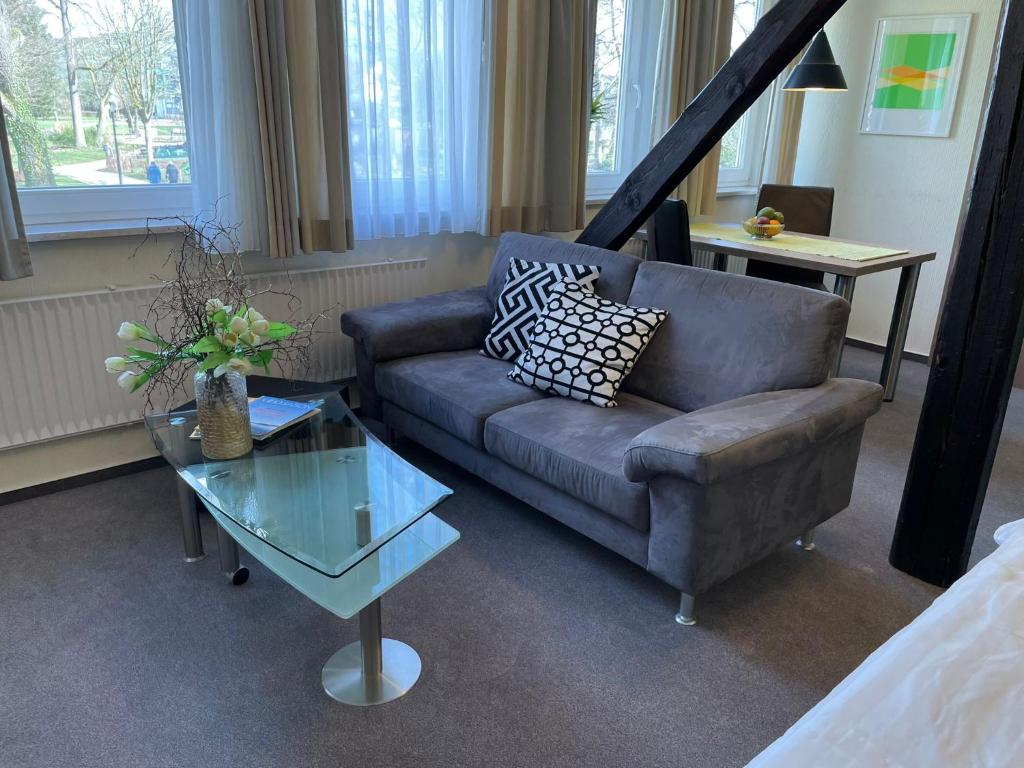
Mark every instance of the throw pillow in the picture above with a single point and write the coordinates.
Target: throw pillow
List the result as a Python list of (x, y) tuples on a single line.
[(584, 346), (527, 285)]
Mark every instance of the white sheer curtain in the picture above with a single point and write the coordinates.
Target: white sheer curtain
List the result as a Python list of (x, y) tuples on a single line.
[(219, 85), (418, 93)]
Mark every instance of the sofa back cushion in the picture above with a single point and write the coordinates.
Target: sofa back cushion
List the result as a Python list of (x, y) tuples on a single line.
[(727, 336), (617, 269)]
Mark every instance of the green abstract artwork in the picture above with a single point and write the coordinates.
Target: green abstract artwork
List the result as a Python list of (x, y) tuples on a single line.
[(914, 70)]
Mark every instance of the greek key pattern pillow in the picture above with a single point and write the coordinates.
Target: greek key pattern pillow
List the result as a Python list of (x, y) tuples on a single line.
[(527, 285), (584, 346)]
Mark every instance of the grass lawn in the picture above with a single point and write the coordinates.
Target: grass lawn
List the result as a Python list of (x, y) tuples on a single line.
[(66, 156)]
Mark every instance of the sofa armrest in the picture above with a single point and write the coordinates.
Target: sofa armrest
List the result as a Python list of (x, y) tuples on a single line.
[(714, 443), (441, 322)]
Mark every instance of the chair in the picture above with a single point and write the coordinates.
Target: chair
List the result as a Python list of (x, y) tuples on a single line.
[(807, 210), (670, 234)]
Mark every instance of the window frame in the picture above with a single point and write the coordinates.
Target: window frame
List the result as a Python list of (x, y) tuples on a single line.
[(632, 121), (48, 206)]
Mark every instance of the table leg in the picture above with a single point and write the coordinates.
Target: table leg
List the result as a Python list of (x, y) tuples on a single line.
[(844, 287), (721, 262), (372, 670), (237, 574), (190, 522), (898, 329)]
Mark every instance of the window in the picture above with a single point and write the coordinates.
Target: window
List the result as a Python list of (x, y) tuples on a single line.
[(625, 58), (417, 96), (739, 166), (92, 98)]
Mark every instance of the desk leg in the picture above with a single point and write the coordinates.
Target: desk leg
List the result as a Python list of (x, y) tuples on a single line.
[(844, 287), (190, 522), (898, 330), (237, 574), (722, 262), (372, 670)]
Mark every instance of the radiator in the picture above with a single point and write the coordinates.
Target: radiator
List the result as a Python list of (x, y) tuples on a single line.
[(52, 380)]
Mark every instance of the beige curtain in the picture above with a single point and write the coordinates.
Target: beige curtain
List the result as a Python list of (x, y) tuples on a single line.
[(695, 42), (14, 258), (298, 54), (540, 114)]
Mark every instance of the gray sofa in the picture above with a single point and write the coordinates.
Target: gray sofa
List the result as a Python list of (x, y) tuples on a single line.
[(729, 440)]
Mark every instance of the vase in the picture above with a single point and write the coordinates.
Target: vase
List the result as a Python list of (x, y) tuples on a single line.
[(223, 408)]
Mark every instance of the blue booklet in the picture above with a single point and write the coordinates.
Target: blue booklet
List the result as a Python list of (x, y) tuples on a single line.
[(270, 415)]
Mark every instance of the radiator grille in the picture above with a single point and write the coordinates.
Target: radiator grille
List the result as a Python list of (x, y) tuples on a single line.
[(52, 381)]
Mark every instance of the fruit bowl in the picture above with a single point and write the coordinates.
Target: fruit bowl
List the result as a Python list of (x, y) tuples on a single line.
[(762, 231)]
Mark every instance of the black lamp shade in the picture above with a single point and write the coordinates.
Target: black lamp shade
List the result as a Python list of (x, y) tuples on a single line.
[(817, 70)]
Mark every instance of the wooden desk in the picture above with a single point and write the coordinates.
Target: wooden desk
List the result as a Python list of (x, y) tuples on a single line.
[(846, 273)]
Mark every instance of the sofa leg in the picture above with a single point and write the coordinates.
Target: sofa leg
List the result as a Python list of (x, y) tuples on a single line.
[(685, 615), (806, 540)]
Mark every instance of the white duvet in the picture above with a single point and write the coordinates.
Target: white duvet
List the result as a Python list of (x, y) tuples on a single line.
[(948, 690)]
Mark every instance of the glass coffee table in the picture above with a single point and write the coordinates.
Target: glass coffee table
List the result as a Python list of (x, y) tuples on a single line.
[(330, 509)]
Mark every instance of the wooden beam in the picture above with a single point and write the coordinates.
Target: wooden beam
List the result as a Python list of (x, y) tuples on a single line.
[(777, 39), (978, 342)]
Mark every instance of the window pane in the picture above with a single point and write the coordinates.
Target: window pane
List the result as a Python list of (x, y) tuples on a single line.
[(92, 92), (604, 107), (744, 18)]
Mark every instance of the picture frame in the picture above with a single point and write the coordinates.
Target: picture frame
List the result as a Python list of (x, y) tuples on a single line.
[(915, 74)]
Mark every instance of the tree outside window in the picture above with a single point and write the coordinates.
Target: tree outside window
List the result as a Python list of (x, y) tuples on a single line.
[(91, 92)]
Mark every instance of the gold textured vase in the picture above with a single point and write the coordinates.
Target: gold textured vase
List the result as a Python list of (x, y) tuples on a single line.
[(223, 409)]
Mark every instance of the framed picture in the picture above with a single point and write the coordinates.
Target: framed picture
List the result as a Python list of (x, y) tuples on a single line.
[(915, 75)]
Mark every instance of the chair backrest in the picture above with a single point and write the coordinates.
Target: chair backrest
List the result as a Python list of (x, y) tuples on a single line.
[(727, 336), (617, 269), (670, 234), (807, 210)]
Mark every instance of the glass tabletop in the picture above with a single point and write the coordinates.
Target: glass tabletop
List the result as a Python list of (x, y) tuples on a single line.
[(325, 492)]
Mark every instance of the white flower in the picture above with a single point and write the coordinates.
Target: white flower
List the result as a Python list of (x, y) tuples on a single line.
[(213, 306), (129, 331), (249, 338), (228, 338), (238, 325), (116, 364), (236, 364), (260, 326), (126, 380)]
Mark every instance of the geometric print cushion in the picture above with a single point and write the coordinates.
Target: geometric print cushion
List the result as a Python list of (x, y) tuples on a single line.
[(584, 346), (527, 285)]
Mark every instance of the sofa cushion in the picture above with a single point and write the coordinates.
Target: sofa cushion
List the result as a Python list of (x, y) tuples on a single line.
[(528, 285), (455, 391), (578, 449), (729, 335), (584, 346), (617, 269)]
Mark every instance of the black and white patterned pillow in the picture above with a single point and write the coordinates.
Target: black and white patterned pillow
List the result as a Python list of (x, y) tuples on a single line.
[(527, 285), (584, 346)]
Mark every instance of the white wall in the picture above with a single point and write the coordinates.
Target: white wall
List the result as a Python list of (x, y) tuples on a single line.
[(898, 190)]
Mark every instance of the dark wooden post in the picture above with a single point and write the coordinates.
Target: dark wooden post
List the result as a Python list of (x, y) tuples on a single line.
[(978, 343), (776, 40)]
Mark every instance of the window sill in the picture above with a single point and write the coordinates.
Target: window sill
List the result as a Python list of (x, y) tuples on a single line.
[(737, 191), (84, 230)]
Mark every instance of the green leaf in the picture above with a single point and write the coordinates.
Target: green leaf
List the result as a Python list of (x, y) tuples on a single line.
[(219, 317), (213, 360), (262, 359), (143, 354), (207, 344), (279, 331), (140, 380)]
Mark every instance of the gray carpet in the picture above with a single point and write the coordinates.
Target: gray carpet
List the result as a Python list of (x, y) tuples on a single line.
[(539, 647)]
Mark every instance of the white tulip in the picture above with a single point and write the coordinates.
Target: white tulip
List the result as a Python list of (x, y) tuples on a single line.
[(236, 364), (249, 338), (260, 326), (213, 306), (129, 331), (238, 325), (252, 315), (126, 380), (116, 364), (228, 338)]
